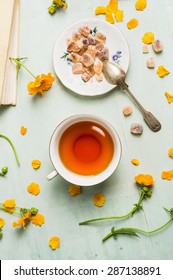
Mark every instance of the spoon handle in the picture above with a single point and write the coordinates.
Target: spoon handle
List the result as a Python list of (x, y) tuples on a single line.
[(149, 118)]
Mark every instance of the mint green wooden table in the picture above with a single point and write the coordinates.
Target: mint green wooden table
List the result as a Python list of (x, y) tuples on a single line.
[(38, 32)]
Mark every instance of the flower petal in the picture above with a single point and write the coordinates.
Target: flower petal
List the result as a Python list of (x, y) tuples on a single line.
[(54, 242), (99, 199), (169, 97), (162, 71), (34, 188), (74, 190), (37, 220), (148, 38)]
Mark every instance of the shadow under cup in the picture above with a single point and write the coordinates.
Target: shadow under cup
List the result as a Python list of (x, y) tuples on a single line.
[(84, 150)]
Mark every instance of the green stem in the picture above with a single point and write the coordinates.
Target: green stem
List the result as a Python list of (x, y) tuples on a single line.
[(11, 212), (117, 217), (18, 62), (14, 150), (137, 230)]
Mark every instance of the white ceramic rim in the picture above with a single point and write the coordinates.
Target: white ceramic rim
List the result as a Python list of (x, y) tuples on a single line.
[(81, 179), (64, 71)]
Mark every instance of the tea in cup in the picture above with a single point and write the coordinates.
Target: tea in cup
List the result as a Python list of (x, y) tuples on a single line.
[(84, 149)]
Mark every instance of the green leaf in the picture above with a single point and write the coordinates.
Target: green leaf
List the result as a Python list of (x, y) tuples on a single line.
[(127, 231)]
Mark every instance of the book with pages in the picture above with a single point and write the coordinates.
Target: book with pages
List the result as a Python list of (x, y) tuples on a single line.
[(9, 36)]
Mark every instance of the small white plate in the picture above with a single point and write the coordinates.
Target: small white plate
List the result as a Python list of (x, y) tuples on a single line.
[(118, 52)]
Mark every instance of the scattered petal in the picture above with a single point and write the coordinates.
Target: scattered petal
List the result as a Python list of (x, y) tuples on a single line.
[(169, 97), (132, 23), (119, 15), (37, 220), (100, 10), (9, 205), (2, 222), (34, 188), (170, 153), (23, 130), (74, 190), (112, 6), (135, 161), (141, 5), (36, 163), (109, 17), (162, 71), (148, 38), (99, 199), (167, 175), (54, 242), (144, 179)]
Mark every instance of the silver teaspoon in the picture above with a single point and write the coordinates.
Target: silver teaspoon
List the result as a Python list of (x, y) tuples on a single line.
[(115, 75)]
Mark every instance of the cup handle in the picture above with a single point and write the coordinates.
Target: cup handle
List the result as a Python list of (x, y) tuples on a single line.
[(52, 175)]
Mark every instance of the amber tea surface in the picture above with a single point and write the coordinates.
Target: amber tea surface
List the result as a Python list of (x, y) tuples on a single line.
[(86, 148)]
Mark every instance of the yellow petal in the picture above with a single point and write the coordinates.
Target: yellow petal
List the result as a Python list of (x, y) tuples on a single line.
[(37, 219), (170, 153), (36, 163), (2, 222), (23, 130), (162, 71), (135, 161), (112, 6), (167, 175), (169, 97), (109, 17), (141, 5), (148, 38), (100, 10), (74, 190), (54, 242), (132, 23), (34, 188), (119, 15), (99, 199)]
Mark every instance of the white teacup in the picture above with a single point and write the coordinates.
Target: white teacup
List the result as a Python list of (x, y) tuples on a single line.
[(73, 176)]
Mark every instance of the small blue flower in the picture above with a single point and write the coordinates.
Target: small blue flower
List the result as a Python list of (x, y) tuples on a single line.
[(116, 56)]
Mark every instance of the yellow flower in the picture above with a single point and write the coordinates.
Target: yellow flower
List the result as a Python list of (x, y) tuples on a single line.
[(132, 23), (170, 152), (99, 199), (38, 219), (36, 163), (144, 179), (9, 205), (54, 242), (34, 188), (162, 71), (2, 222), (140, 5), (135, 161), (169, 97), (74, 190), (23, 221), (42, 82), (167, 175), (23, 130), (148, 38), (110, 11)]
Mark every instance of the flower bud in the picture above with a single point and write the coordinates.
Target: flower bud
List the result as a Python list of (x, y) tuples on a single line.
[(4, 169), (33, 211), (52, 10)]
